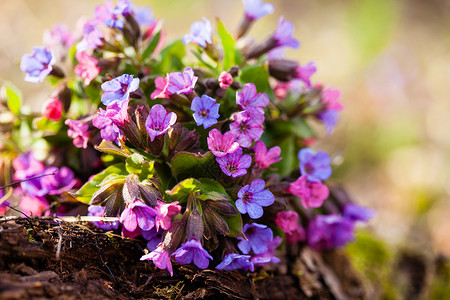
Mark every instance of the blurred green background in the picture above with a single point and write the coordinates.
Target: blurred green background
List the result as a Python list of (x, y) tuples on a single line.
[(391, 61)]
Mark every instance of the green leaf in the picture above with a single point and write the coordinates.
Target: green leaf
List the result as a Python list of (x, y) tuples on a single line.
[(182, 190), (259, 76), (199, 57), (151, 46), (227, 44), (209, 185), (14, 98), (111, 148), (137, 164), (186, 164), (171, 58), (84, 194), (296, 126), (44, 124), (288, 163), (214, 196)]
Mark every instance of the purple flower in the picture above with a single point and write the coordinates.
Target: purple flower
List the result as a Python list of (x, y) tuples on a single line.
[(38, 64), (316, 166), (159, 121), (144, 16), (119, 89), (160, 258), (265, 158), (192, 251), (92, 36), (97, 211), (181, 83), (221, 145), (255, 9), (283, 34), (248, 98), (164, 213), (153, 237), (258, 238), (108, 120), (305, 72), (26, 166), (206, 111), (247, 126), (122, 8), (268, 256), (59, 35), (253, 197), (234, 261), (62, 181), (355, 212), (200, 33), (138, 215), (235, 164), (328, 232), (330, 116), (311, 193), (79, 132), (329, 119)]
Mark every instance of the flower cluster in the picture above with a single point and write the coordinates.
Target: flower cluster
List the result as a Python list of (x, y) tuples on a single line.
[(206, 160)]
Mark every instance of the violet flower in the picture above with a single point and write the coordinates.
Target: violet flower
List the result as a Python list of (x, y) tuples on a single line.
[(92, 36), (234, 261), (328, 232), (119, 89), (144, 16), (235, 164), (87, 67), (200, 33), (265, 158), (161, 85), (182, 83), (252, 198), (79, 132), (138, 215), (98, 211), (247, 126), (329, 118), (305, 72), (255, 9), (153, 237), (61, 181), (159, 121), (192, 251), (258, 237), (108, 121), (248, 98), (268, 256), (311, 193), (355, 212), (26, 166), (160, 258), (164, 213), (316, 166), (38, 64), (221, 145), (283, 34), (206, 111), (122, 8), (225, 80)]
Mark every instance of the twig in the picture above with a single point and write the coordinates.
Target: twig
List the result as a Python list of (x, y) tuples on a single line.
[(58, 249), (31, 178)]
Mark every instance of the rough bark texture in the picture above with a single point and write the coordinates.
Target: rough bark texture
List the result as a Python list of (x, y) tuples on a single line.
[(40, 258)]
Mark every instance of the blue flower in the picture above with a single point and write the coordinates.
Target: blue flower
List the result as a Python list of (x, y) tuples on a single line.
[(119, 89), (192, 251), (38, 64), (206, 111), (356, 212), (255, 9), (200, 33), (316, 166), (253, 197), (328, 232), (234, 261), (258, 237)]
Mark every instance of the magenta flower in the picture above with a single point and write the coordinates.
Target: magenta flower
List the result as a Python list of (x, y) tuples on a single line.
[(161, 91), (164, 213), (305, 72), (119, 89), (328, 232), (248, 98), (330, 97), (221, 145), (234, 261), (255, 9), (192, 251), (316, 166), (63, 180), (247, 126), (182, 83), (98, 211), (252, 199), (108, 121), (38, 64), (138, 215), (200, 33), (234, 164), (79, 132), (206, 111), (298, 235), (283, 34), (159, 121), (258, 237), (87, 67), (160, 258), (265, 158), (225, 80), (287, 221), (312, 194), (52, 109)]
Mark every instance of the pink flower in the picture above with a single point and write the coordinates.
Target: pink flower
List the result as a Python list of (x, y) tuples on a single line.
[(161, 91), (298, 235), (160, 258), (225, 80), (265, 158), (79, 132), (247, 126), (138, 215), (330, 97), (164, 213), (221, 145), (312, 194), (287, 221), (87, 68), (52, 109), (35, 206)]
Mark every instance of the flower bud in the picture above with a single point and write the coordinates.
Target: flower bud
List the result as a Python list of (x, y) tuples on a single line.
[(52, 109), (283, 69), (194, 228)]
